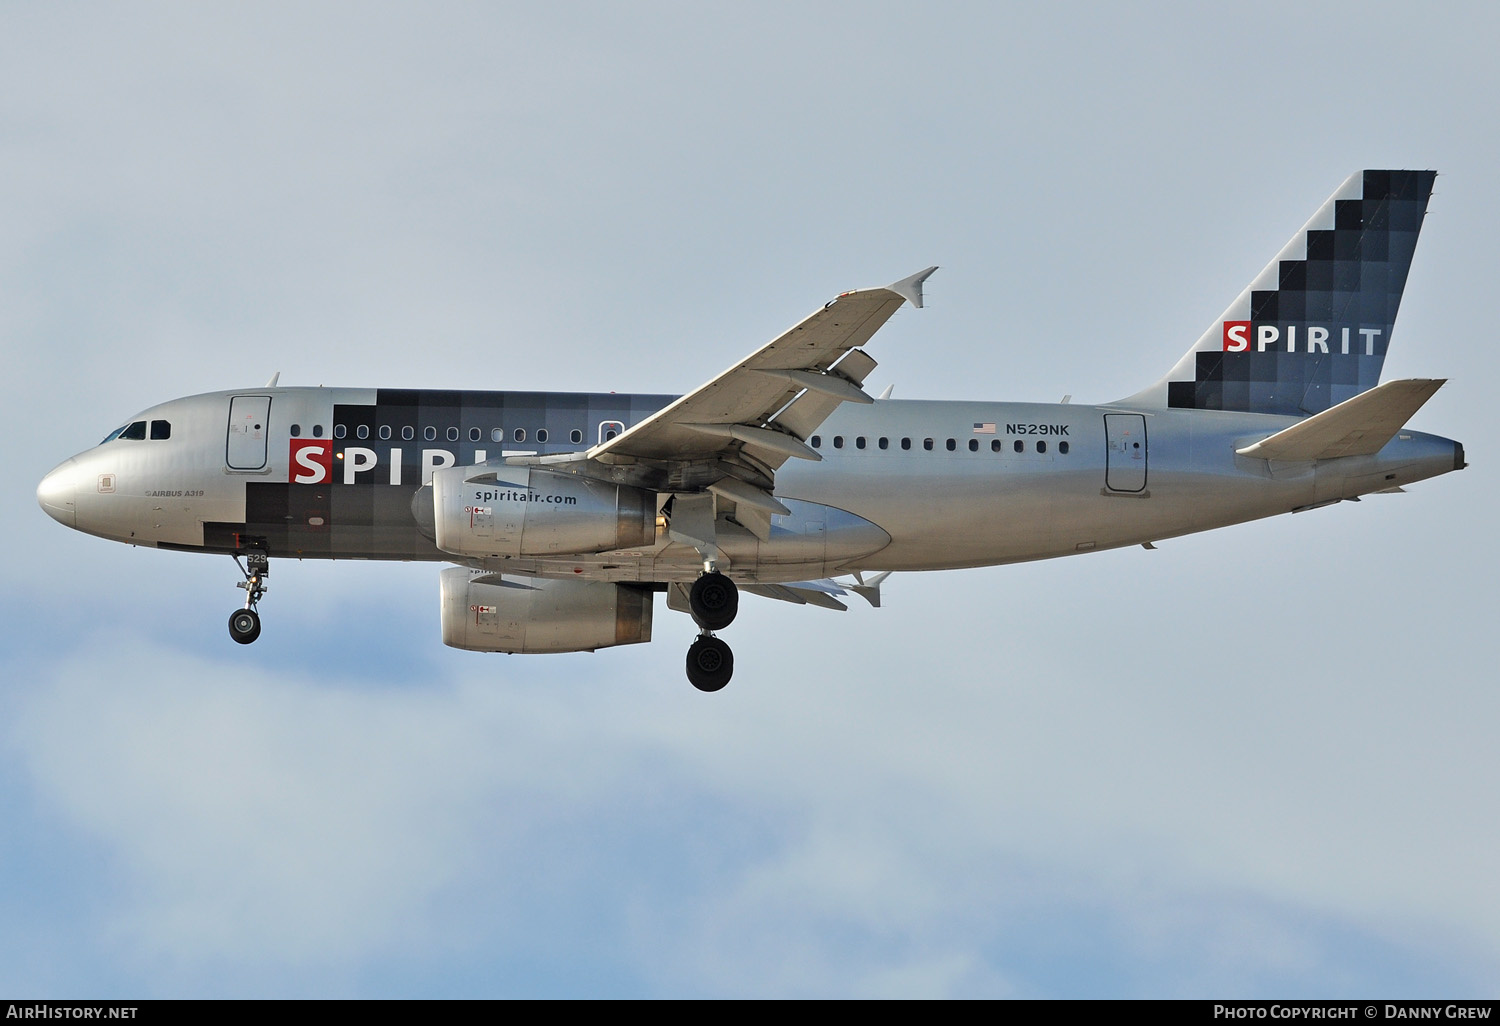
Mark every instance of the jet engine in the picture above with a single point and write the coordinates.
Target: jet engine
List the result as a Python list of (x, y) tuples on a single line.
[(484, 613), (525, 511)]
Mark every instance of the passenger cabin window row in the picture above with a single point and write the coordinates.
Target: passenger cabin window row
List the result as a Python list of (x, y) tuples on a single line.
[(430, 434), (928, 444)]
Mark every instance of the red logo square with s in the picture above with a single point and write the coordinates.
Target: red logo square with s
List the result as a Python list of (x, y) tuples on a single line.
[(1236, 336), (311, 461)]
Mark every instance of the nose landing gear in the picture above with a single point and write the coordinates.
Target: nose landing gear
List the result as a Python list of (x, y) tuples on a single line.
[(244, 624), (713, 601)]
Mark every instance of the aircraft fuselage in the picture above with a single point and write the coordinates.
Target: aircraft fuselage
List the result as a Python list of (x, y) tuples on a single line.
[(902, 485)]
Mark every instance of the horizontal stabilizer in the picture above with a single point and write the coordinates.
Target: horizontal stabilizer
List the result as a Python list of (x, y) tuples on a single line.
[(1355, 427)]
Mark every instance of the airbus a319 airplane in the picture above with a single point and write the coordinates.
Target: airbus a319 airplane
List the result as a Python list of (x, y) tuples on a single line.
[(565, 513)]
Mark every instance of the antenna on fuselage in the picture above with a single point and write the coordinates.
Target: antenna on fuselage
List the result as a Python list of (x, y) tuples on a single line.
[(274, 378)]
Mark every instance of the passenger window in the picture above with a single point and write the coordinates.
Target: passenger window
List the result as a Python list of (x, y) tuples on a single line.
[(453, 434), (385, 432), (519, 434), (430, 433), (995, 445), (1020, 446), (859, 443), (952, 445), (838, 441), (541, 434), (575, 436), (497, 435), (363, 431), (339, 431), (817, 441), (161, 429), (906, 443), (884, 443), (475, 434), (1062, 447), (317, 430), (296, 431), (408, 433), (1041, 447), (973, 445), (927, 444)]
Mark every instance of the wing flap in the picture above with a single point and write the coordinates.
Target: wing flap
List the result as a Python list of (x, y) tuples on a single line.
[(1356, 427), (811, 408)]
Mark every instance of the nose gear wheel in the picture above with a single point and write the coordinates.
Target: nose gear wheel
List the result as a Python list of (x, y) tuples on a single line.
[(244, 625)]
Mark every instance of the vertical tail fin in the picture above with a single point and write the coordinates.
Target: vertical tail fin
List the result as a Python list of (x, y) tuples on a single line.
[(1313, 328)]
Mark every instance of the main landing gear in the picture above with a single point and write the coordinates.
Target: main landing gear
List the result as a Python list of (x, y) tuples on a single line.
[(713, 601), (244, 624)]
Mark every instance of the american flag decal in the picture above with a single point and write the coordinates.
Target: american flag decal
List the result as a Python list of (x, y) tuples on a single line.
[(984, 429)]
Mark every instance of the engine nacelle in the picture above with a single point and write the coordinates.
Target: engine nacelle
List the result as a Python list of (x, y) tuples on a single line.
[(541, 615), (525, 511)]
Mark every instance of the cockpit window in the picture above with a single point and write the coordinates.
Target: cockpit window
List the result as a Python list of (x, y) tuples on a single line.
[(161, 429), (135, 432), (115, 433)]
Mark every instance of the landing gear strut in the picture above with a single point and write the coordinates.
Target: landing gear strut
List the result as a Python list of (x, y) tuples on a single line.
[(244, 624), (713, 600)]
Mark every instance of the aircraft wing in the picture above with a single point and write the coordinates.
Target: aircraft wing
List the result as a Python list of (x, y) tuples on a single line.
[(765, 406), (823, 593), (718, 447)]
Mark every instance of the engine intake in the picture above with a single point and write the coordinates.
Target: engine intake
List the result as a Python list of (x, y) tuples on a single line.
[(540, 614), (523, 511)]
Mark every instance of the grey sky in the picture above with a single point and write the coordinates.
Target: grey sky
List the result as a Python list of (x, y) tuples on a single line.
[(1253, 762)]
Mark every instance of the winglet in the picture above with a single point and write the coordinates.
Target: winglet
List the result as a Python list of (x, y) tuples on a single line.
[(910, 289), (869, 590)]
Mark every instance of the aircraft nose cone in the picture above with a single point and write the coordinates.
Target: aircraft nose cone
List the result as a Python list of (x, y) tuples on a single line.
[(58, 492)]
